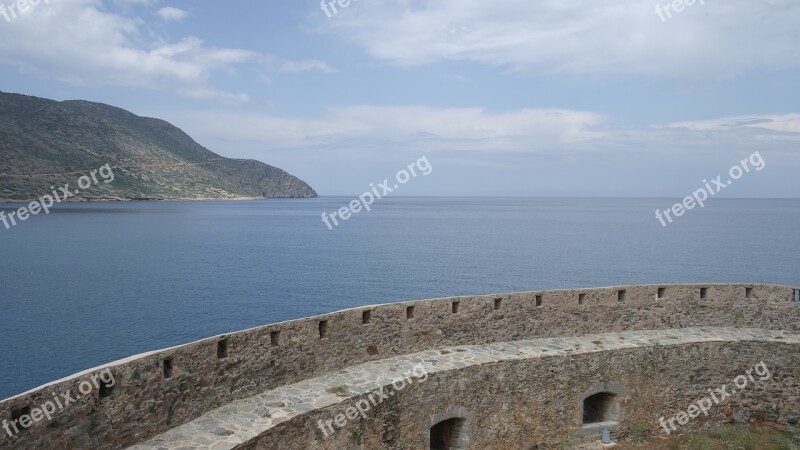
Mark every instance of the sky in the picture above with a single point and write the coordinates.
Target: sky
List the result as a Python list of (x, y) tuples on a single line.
[(609, 98)]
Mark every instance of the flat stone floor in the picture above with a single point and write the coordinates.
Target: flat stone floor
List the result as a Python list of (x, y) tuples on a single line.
[(242, 420)]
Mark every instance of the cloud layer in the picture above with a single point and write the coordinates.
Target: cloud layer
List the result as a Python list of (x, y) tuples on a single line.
[(170, 13), (413, 126), (554, 132), (85, 42), (580, 36)]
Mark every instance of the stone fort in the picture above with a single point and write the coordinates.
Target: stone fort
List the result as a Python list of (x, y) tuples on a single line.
[(511, 371)]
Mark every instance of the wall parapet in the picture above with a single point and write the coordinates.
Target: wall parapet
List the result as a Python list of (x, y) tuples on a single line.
[(159, 390), (531, 394)]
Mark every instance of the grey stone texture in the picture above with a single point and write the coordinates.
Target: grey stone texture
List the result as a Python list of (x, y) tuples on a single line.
[(510, 400), (514, 394)]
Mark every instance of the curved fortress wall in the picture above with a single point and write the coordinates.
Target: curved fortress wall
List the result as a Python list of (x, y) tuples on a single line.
[(159, 390), (539, 403)]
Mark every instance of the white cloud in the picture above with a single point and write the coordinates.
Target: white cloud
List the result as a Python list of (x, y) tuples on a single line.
[(305, 66), (353, 133), (83, 42), (526, 130), (578, 36), (79, 41), (202, 93), (786, 123), (170, 13)]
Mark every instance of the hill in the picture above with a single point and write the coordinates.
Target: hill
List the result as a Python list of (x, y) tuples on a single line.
[(46, 143)]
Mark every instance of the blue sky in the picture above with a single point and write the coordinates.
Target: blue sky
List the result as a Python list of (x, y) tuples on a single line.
[(516, 97)]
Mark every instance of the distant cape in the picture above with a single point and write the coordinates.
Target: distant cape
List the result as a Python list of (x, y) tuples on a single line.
[(45, 143)]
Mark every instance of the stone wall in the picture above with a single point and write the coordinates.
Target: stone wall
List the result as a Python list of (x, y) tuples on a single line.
[(207, 374), (536, 404)]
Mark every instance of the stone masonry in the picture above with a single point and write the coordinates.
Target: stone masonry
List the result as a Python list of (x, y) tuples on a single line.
[(158, 392)]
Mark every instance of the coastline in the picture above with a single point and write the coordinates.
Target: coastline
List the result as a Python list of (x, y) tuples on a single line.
[(145, 199)]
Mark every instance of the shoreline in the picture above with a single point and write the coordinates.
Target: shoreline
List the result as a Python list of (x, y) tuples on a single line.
[(147, 199)]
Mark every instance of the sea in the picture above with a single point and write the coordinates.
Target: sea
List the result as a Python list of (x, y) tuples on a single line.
[(91, 283)]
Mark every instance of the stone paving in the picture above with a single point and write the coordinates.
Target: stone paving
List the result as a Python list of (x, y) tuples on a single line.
[(242, 420)]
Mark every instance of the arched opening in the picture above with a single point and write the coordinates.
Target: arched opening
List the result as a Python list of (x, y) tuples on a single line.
[(450, 434), (600, 407)]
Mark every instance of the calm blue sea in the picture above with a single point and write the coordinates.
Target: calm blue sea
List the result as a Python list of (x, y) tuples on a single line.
[(91, 283)]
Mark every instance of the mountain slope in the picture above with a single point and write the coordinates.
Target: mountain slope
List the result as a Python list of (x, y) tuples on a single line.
[(45, 143)]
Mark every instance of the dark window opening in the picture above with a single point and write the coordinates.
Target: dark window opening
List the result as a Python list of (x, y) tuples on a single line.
[(661, 292), (323, 329), (602, 407), (703, 293), (581, 298), (539, 301), (106, 388), (167, 368), (450, 434), (748, 292), (409, 312), (366, 317), (222, 348), (498, 302), (455, 307), (275, 338), (621, 295)]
